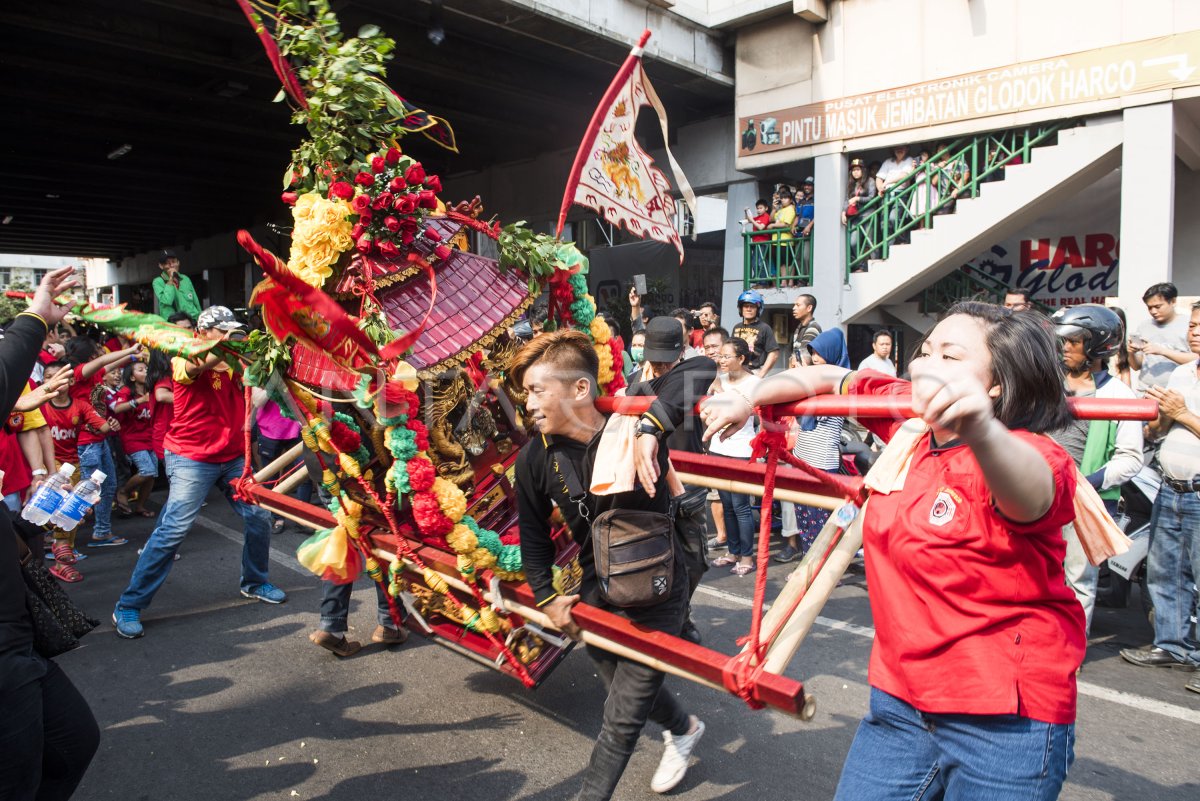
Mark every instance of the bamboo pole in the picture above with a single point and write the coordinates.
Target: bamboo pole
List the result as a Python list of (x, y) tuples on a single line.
[(745, 488), (817, 583), (283, 460), (291, 482)]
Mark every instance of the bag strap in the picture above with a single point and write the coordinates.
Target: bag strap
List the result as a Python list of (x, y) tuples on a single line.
[(570, 479)]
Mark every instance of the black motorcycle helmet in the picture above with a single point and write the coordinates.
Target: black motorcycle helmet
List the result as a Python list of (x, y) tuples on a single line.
[(1098, 326)]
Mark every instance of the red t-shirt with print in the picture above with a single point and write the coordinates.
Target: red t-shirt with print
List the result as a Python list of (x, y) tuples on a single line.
[(209, 414), (972, 611), (65, 424), (17, 475), (137, 425)]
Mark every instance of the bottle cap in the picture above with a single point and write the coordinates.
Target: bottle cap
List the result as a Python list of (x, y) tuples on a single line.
[(98, 477), (67, 470)]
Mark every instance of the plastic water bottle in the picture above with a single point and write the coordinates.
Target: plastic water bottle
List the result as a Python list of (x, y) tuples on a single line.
[(84, 497), (51, 495)]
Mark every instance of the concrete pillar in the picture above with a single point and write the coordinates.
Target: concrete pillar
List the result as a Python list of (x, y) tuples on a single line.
[(1147, 204), (830, 173), (741, 195)]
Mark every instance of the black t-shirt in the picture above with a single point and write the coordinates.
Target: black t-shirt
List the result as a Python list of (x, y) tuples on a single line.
[(678, 391), (539, 488), (761, 339)]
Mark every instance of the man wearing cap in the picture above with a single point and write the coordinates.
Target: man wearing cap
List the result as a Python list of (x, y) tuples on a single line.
[(678, 384), (173, 289), (203, 447)]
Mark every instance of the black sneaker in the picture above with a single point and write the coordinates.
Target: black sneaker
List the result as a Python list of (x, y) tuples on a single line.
[(788, 554), (690, 632)]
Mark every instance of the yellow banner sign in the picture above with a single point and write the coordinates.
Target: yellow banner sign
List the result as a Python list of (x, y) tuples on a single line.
[(1146, 66)]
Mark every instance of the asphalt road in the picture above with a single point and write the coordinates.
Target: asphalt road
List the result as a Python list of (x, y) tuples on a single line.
[(226, 698)]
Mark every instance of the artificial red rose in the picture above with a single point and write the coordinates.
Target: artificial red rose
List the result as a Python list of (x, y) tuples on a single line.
[(363, 245), (341, 190), (406, 204), (415, 174), (427, 199), (407, 237), (383, 201), (433, 183), (358, 230), (442, 252), (361, 203), (433, 234), (388, 248), (365, 216), (392, 156), (420, 474), (392, 224), (398, 184), (410, 224), (289, 198), (400, 400), (428, 515), (364, 179), (344, 438), (378, 164)]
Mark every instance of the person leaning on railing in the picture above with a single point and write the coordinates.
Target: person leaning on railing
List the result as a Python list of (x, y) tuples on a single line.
[(951, 177), (859, 190), (762, 268), (781, 235)]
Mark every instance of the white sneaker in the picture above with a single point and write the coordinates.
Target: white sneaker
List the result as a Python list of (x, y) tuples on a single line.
[(674, 764)]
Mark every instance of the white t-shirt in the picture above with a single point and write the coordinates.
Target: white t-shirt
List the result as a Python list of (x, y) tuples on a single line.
[(1157, 370), (892, 172), (739, 444), (873, 362), (1179, 455)]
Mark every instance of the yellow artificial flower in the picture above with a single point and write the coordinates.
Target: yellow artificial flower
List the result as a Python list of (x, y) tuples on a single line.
[(600, 331), (450, 498), (321, 234)]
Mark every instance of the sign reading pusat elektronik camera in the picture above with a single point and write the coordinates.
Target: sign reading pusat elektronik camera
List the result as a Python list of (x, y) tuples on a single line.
[(1150, 65)]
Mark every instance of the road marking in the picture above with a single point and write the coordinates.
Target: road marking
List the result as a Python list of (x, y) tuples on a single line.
[(1131, 700), (233, 535)]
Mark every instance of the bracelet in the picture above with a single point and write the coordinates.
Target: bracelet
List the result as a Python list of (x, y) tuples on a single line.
[(741, 395), (41, 471), (37, 317)]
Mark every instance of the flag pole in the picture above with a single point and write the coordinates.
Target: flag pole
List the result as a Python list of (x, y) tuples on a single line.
[(589, 136)]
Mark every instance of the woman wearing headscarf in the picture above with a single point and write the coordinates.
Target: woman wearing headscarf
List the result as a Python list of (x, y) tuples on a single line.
[(818, 443)]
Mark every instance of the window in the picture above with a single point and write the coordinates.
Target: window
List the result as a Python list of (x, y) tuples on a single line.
[(38, 275), (5, 276)]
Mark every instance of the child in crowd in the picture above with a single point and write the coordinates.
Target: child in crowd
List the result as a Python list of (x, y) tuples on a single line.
[(158, 378), (134, 408), (88, 366), (106, 403), (65, 418)]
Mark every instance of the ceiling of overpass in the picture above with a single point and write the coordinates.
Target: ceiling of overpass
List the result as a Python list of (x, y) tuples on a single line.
[(136, 124)]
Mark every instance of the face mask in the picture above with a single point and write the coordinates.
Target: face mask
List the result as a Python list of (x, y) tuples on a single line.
[(636, 353)]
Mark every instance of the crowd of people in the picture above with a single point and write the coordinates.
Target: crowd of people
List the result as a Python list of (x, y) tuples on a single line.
[(998, 455)]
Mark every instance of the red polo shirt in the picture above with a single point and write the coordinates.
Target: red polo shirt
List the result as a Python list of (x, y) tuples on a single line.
[(65, 424), (972, 611), (209, 414)]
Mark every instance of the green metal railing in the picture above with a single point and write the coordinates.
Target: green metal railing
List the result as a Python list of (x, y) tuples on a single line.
[(966, 283), (776, 262), (954, 172)]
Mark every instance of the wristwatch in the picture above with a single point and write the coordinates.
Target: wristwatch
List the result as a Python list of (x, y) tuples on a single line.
[(646, 427)]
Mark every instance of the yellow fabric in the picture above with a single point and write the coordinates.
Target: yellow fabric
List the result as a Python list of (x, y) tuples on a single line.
[(179, 369), (33, 419), (327, 555), (784, 215)]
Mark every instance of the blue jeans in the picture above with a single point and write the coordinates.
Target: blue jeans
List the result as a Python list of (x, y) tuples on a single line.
[(740, 531), (190, 482), (900, 754), (97, 456), (335, 607), (1171, 568)]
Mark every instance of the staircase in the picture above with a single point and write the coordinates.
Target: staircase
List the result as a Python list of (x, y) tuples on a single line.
[(1053, 174)]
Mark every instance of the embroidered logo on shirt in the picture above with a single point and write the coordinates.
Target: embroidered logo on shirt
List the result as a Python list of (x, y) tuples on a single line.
[(944, 507)]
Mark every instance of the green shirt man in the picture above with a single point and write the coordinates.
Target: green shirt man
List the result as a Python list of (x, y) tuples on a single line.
[(174, 290)]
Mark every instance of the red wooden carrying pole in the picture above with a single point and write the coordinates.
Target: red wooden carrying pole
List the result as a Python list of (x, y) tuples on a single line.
[(771, 689), (901, 406)]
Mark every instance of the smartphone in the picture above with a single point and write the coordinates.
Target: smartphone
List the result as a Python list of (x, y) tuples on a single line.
[(639, 283)]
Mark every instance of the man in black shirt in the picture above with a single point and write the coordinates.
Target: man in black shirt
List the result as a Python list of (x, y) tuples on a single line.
[(679, 384), (764, 348), (558, 373)]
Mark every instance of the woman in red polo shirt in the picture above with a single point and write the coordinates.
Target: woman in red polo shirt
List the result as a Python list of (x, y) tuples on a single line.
[(976, 637)]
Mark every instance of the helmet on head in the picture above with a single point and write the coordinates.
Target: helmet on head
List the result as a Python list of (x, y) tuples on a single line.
[(750, 296), (1098, 326)]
